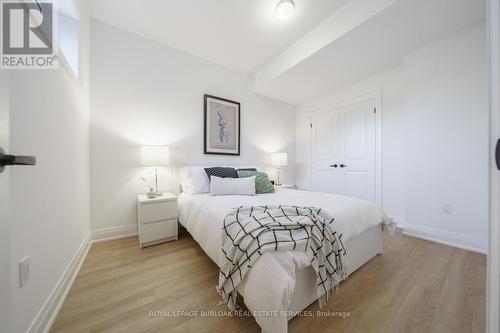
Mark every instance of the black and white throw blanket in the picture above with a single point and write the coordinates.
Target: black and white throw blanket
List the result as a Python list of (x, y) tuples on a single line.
[(252, 230)]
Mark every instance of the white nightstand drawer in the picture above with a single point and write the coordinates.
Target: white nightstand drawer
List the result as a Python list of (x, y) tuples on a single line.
[(157, 219), (150, 212), (160, 230)]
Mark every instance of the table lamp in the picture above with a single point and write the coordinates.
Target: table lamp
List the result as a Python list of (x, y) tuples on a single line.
[(279, 160), (155, 156)]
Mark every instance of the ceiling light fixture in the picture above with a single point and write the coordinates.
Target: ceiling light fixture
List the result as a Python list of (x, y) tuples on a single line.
[(284, 9)]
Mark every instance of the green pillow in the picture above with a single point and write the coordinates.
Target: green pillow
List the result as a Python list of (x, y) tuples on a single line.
[(262, 183)]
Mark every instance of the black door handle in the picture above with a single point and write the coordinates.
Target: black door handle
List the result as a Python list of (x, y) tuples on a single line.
[(6, 160), (343, 165), (497, 154), (333, 165)]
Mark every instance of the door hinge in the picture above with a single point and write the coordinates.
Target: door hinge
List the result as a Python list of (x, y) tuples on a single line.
[(375, 110), (311, 125)]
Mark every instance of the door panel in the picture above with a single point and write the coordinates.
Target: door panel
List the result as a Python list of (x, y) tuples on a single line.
[(358, 150), (356, 184), (324, 152), (355, 139), (325, 181), (324, 130)]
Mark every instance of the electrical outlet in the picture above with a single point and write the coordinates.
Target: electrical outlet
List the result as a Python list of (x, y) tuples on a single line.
[(447, 208), (24, 271)]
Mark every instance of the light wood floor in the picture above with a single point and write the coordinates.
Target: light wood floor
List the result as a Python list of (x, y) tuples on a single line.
[(415, 286)]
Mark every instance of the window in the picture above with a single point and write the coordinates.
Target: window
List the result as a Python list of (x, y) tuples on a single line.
[(69, 35)]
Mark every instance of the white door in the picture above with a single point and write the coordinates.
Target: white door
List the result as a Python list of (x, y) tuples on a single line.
[(357, 150), (6, 162), (5, 285), (324, 151), (344, 150), (493, 289)]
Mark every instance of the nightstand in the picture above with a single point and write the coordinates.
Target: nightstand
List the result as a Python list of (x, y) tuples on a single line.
[(157, 219), (293, 187)]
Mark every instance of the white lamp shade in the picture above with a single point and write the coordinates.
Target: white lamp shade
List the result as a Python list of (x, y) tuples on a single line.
[(279, 159), (155, 155)]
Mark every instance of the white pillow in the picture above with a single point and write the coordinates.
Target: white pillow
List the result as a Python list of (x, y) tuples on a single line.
[(194, 180), (235, 186)]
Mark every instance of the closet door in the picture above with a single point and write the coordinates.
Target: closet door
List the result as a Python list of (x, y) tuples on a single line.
[(357, 150), (325, 152), (343, 151)]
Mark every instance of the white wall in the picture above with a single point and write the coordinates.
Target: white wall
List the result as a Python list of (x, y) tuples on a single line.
[(391, 84), (143, 92), (435, 138), (49, 202), (447, 139)]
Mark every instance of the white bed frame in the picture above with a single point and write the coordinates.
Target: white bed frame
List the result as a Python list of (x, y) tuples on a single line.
[(361, 249)]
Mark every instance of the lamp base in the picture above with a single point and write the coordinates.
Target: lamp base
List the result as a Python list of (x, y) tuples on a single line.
[(278, 183), (158, 194)]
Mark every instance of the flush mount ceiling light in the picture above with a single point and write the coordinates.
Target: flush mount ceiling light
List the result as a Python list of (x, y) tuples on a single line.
[(284, 9)]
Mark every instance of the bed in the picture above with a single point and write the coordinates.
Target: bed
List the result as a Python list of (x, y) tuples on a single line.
[(281, 284)]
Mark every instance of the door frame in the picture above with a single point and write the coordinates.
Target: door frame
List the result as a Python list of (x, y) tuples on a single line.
[(377, 96)]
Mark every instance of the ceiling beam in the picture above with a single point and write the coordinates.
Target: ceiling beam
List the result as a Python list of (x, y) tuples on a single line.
[(345, 19)]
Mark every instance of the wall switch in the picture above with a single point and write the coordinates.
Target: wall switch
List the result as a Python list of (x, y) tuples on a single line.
[(24, 271), (447, 208)]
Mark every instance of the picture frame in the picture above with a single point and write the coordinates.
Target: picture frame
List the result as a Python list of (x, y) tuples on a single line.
[(221, 126)]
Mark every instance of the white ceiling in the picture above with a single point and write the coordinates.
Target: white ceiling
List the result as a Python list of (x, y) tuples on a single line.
[(239, 34), (377, 45), (246, 36)]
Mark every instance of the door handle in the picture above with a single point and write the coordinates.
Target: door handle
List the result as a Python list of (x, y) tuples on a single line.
[(497, 154), (333, 165), (343, 165), (6, 160)]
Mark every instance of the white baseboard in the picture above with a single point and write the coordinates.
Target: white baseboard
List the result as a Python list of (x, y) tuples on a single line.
[(104, 234), (46, 316), (447, 238), (50, 309)]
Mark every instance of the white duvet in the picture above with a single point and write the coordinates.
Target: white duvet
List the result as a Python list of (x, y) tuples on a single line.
[(268, 286)]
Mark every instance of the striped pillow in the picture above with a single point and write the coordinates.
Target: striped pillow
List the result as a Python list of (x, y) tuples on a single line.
[(221, 172)]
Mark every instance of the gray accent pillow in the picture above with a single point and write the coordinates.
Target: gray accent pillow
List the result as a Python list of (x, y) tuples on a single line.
[(262, 183)]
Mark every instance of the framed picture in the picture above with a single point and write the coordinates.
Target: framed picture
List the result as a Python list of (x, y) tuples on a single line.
[(222, 126)]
